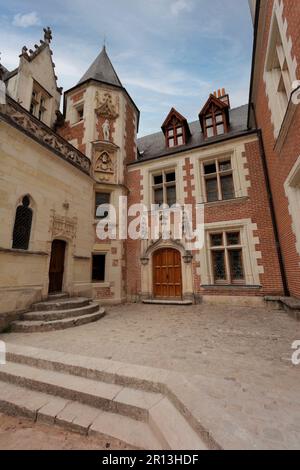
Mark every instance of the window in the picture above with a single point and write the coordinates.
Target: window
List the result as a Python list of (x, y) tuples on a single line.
[(218, 180), (280, 70), (164, 188), (39, 100), (227, 258), (22, 226), (175, 134), (79, 112), (98, 270), (214, 123), (101, 199)]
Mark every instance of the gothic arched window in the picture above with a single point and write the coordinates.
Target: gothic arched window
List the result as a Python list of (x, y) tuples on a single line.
[(22, 227)]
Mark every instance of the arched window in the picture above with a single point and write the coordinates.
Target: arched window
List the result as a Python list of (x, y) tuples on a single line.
[(22, 227)]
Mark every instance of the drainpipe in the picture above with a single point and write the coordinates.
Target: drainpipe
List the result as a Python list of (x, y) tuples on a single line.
[(272, 209)]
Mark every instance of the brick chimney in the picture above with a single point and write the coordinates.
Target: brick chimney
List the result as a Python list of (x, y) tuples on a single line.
[(223, 96)]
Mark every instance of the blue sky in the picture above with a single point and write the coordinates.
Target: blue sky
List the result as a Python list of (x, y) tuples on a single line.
[(166, 52)]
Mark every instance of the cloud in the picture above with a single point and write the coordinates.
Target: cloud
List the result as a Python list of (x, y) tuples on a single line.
[(181, 5), (26, 20)]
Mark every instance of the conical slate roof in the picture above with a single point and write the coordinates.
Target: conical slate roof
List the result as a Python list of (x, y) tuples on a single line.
[(102, 70)]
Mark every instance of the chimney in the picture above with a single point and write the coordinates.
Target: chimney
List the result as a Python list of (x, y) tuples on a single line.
[(222, 96)]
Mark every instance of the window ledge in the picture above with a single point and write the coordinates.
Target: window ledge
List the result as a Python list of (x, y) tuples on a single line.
[(76, 123), (225, 201), (286, 123), (231, 286), (15, 251), (100, 284)]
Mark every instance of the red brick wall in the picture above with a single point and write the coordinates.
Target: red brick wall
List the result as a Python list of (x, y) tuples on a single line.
[(255, 207), (76, 131), (280, 163), (133, 247)]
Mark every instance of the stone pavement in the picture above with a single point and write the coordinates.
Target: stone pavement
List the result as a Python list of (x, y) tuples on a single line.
[(239, 356)]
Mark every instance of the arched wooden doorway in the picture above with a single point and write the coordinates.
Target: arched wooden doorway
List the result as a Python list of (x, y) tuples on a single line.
[(57, 266), (167, 279)]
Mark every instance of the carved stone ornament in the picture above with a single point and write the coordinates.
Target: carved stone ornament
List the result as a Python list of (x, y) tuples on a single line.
[(104, 163), (64, 227), (15, 113), (105, 106)]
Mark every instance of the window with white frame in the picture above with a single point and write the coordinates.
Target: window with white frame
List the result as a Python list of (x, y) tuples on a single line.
[(279, 70), (226, 257), (164, 187), (218, 179)]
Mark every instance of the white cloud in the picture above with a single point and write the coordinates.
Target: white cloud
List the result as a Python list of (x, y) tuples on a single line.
[(181, 5), (26, 20)]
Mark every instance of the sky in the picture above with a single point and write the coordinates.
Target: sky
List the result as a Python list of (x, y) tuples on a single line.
[(167, 53)]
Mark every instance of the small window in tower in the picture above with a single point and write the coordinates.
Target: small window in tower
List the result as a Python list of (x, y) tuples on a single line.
[(98, 268), (79, 113), (102, 199)]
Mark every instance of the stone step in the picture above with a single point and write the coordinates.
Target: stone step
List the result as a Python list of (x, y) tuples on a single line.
[(58, 296), (167, 302), (62, 304), (140, 389), (48, 315), (107, 397), (76, 417), (42, 326)]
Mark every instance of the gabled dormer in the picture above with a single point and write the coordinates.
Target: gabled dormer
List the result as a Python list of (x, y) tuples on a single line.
[(175, 129), (214, 117), (34, 83)]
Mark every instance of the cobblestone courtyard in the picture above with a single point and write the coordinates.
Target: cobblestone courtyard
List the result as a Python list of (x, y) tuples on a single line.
[(239, 357)]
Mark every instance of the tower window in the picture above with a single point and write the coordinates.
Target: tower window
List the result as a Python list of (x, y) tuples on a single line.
[(22, 226), (101, 199)]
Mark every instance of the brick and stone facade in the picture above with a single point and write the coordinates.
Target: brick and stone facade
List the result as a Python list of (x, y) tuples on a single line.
[(281, 140)]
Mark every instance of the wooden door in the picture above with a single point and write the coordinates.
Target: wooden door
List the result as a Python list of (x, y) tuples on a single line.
[(57, 265), (167, 281)]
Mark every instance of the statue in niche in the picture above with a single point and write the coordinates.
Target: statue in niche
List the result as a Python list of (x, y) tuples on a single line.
[(106, 130), (104, 163)]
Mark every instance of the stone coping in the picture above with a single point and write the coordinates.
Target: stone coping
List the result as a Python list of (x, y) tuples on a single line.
[(208, 419)]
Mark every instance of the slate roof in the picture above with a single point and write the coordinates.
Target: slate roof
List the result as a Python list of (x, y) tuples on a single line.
[(102, 70), (154, 145)]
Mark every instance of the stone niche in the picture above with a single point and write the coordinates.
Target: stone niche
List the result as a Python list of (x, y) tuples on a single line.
[(105, 166)]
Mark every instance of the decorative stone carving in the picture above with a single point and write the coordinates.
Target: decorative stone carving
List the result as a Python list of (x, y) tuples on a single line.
[(63, 227), (106, 107), (15, 113), (104, 163)]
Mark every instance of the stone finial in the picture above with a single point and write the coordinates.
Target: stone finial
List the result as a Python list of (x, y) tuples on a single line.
[(47, 35), (24, 50)]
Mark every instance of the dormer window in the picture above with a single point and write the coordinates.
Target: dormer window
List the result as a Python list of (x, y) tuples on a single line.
[(214, 124), (176, 129), (175, 135), (214, 117), (39, 102)]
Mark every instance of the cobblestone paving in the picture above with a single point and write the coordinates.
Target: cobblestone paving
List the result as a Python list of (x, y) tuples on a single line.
[(239, 356)]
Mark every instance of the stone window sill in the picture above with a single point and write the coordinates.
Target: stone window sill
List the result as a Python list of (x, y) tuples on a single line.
[(14, 251)]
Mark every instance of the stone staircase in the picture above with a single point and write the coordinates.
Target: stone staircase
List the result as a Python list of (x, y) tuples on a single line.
[(76, 393), (58, 312)]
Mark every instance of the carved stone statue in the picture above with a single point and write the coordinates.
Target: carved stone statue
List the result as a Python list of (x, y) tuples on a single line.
[(106, 130)]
